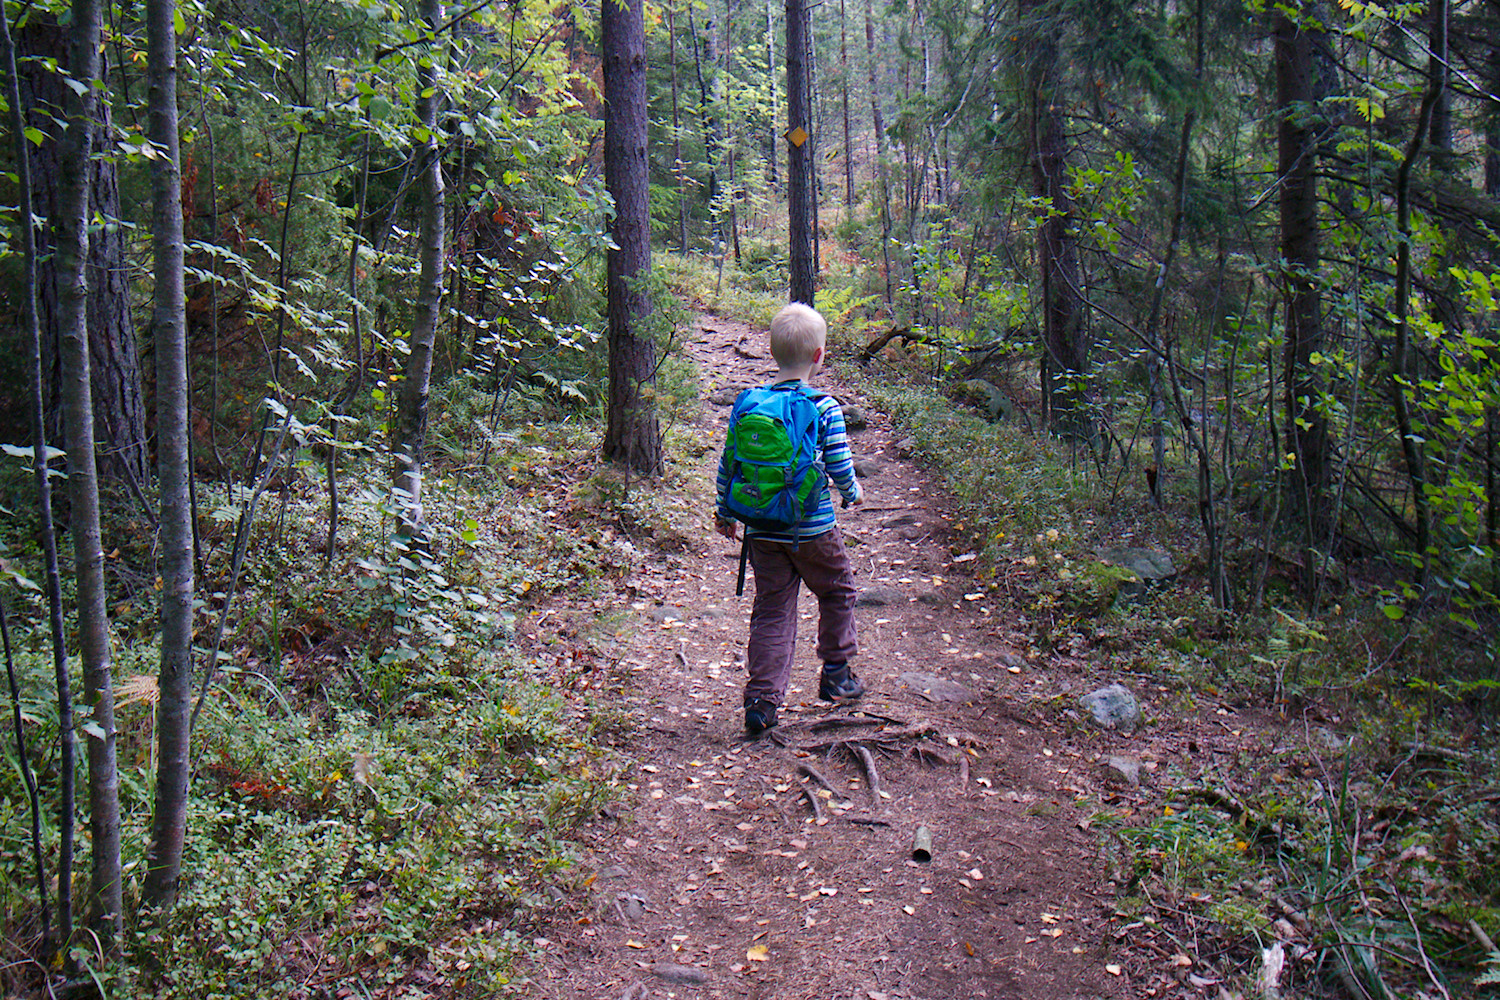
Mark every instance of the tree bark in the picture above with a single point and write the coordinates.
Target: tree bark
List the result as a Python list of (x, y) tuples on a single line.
[(773, 148), (118, 396), (410, 428), (1065, 347), (31, 331), (632, 437), (1297, 152), (799, 154), (845, 86), (169, 330), (883, 188), (71, 241), (677, 170)]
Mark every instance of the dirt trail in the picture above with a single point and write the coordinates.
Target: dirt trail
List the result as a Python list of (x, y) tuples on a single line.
[(715, 881)]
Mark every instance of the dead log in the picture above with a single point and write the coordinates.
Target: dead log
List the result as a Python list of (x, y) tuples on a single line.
[(903, 333)]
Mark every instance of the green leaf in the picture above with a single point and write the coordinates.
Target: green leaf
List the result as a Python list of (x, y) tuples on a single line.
[(94, 729), (179, 23), (36, 135), (1394, 612)]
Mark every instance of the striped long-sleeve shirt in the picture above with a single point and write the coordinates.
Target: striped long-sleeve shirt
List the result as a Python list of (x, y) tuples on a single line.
[(837, 462)]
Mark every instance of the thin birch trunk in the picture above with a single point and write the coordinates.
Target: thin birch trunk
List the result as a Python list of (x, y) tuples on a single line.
[(169, 329), (409, 431), (883, 187), (83, 482)]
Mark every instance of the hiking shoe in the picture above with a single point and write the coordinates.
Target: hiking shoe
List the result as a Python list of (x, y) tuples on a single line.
[(760, 715), (839, 685)]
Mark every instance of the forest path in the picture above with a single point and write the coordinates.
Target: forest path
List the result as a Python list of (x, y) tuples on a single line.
[(715, 880)]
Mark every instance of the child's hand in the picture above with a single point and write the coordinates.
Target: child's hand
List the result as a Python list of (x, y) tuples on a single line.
[(729, 529)]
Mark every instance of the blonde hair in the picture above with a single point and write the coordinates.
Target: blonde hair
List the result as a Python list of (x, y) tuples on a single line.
[(796, 334)]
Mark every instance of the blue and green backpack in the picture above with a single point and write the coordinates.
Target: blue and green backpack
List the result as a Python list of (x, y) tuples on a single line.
[(771, 448)]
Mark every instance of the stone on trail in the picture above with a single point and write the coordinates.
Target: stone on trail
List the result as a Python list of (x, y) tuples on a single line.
[(726, 396), (1120, 770), (906, 447), (899, 521), (1113, 707), (935, 688), (865, 468), (685, 975), (854, 418), (932, 598), (879, 597)]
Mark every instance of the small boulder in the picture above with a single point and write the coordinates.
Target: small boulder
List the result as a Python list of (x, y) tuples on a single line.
[(879, 597), (684, 975), (990, 399), (906, 447), (1113, 707), (899, 521), (866, 468), (726, 396), (935, 688), (1152, 567), (1121, 771), (854, 418)]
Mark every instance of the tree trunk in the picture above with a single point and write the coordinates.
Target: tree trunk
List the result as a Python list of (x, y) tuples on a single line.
[(708, 91), (799, 154), (883, 188), (31, 330), (730, 151), (773, 148), (169, 330), (71, 241), (633, 435), (410, 428), (1065, 347), (1440, 132), (677, 170), (119, 400), (844, 83), (1306, 425)]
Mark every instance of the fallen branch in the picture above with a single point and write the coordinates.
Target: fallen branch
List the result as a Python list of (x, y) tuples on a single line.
[(862, 821), (963, 776), (813, 773), (813, 801), (871, 775)]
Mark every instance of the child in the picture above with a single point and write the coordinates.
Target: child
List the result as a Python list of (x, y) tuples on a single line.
[(815, 555)]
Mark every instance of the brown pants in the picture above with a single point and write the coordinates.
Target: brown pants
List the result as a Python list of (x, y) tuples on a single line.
[(780, 571)]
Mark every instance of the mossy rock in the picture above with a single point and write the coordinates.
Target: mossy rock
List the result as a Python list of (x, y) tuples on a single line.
[(1093, 587), (988, 397)]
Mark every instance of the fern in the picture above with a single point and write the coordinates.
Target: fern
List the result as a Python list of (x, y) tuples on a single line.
[(1492, 977)]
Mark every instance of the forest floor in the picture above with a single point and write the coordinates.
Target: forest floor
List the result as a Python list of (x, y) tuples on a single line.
[(714, 879)]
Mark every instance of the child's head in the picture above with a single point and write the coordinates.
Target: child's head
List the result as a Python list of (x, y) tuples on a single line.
[(797, 333)]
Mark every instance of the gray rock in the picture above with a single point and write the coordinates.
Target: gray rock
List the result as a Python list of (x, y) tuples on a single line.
[(899, 521), (632, 906), (1151, 566), (932, 598), (854, 418), (1113, 707), (988, 397), (685, 975), (879, 597), (935, 688), (726, 396), (1121, 771), (906, 447), (865, 468), (613, 872)]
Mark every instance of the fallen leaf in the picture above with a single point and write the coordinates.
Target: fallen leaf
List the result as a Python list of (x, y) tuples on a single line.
[(1113, 970), (760, 953), (634, 944)]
